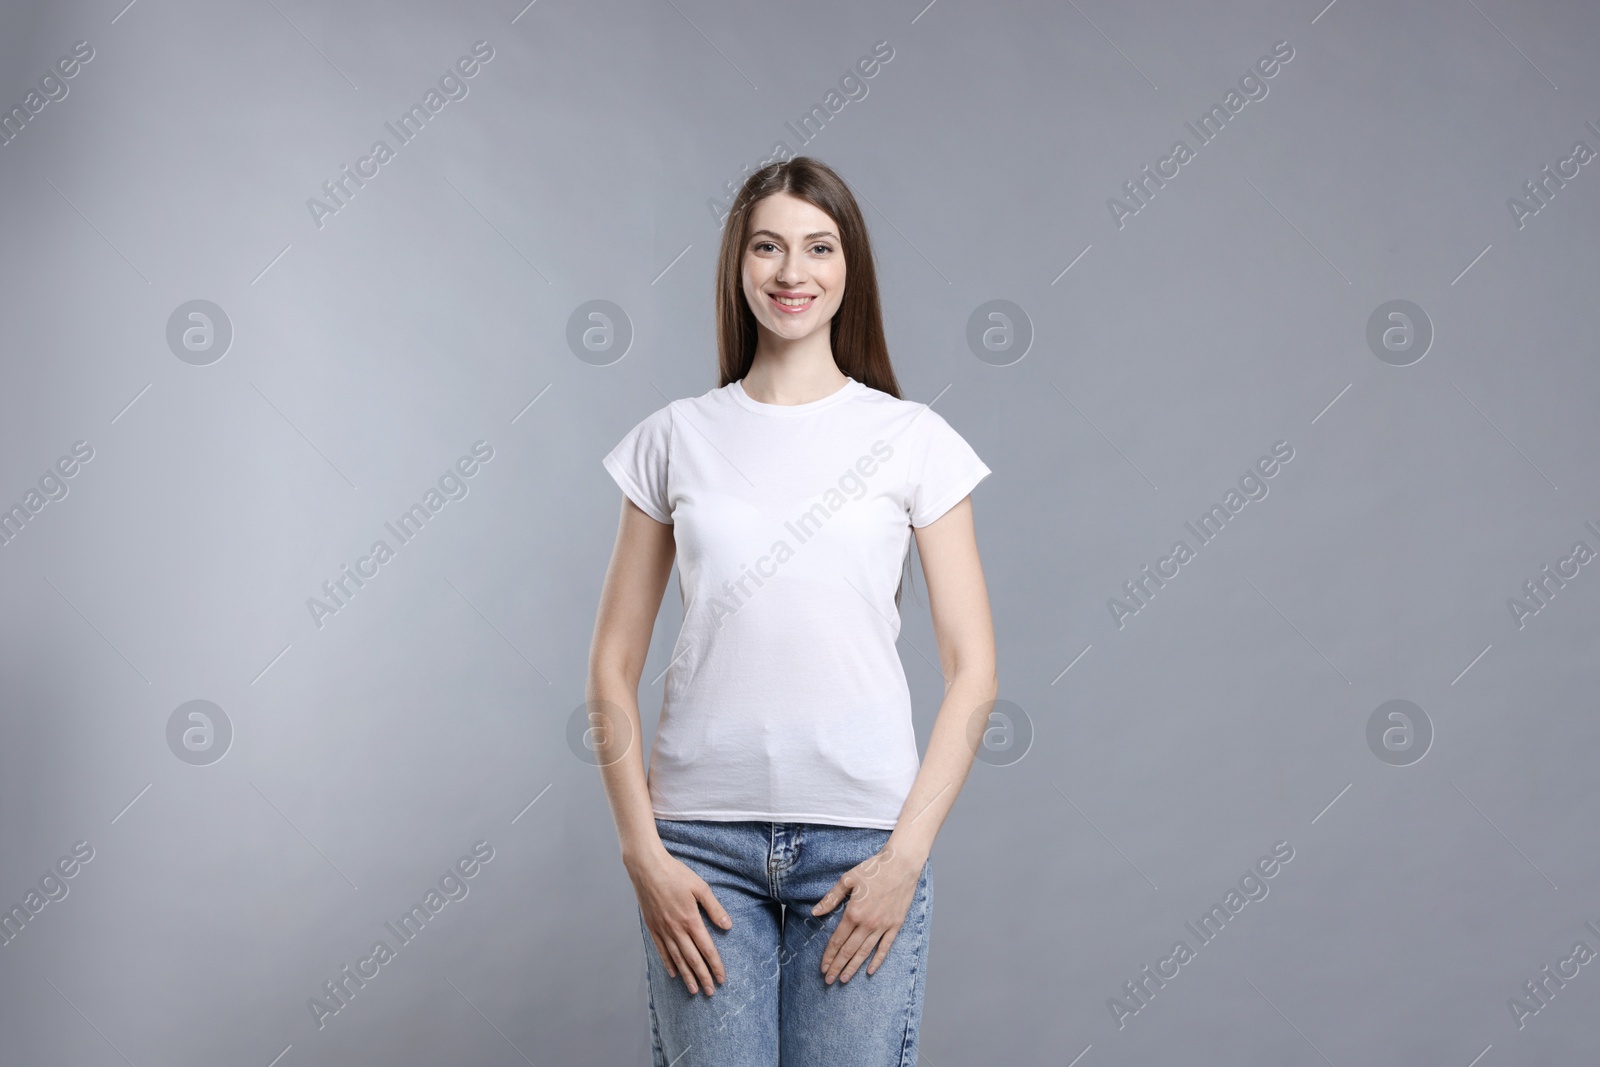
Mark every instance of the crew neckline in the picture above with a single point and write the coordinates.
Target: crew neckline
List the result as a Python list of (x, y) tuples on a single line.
[(736, 389)]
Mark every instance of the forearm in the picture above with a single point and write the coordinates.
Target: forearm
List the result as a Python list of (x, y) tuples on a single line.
[(617, 741), (949, 757)]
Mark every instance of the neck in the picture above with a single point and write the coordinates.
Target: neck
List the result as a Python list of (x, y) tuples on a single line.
[(793, 376)]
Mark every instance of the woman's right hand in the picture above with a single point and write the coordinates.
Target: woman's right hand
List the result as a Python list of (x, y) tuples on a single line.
[(670, 897)]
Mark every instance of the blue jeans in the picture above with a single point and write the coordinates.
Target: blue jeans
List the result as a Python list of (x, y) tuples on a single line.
[(768, 876)]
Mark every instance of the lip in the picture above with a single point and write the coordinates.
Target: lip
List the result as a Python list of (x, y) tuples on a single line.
[(772, 298)]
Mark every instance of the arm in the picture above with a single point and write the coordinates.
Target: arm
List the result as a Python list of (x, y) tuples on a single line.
[(641, 562), (670, 894), (881, 889), (958, 600)]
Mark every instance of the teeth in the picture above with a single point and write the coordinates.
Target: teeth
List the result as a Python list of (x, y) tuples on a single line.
[(790, 301)]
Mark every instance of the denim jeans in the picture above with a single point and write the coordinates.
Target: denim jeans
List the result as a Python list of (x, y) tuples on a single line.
[(775, 1003)]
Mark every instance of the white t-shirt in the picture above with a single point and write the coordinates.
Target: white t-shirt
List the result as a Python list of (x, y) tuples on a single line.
[(785, 700)]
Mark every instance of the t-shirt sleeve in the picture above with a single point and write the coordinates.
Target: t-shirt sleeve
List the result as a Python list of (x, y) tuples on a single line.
[(945, 470), (639, 464)]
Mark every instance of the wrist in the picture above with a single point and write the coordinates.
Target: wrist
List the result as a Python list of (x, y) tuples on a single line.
[(912, 848), (643, 855)]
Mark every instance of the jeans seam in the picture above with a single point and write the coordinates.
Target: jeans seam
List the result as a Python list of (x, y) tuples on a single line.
[(916, 965), (658, 1054)]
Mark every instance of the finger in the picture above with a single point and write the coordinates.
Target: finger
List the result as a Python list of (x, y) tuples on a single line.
[(691, 955), (860, 956), (683, 971), (847, 949), (829, 899), (702, 938), (661, 952), (707, 949), (708, 900), (841, 932), (831, 947), (883, 950), (850, 949)]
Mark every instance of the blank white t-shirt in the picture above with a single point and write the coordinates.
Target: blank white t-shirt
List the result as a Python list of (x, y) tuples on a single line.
[(785, 700)]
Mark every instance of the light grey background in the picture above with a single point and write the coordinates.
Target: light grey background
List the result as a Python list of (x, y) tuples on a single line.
[(432, 311)]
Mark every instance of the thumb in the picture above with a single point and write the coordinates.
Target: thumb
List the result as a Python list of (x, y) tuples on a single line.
[(829, 899), (713, 908)]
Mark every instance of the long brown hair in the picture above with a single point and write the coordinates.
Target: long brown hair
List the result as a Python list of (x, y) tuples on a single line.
[(856, 332)]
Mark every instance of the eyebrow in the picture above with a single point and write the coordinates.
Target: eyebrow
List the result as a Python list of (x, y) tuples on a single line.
[(808, 237)]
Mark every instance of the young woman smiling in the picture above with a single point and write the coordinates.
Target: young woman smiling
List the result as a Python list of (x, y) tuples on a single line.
[(785, 796)]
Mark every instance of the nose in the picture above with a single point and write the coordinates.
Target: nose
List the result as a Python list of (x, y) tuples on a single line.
[(791, 268)]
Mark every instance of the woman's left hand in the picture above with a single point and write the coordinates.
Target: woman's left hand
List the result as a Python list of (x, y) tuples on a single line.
[(880, 889)]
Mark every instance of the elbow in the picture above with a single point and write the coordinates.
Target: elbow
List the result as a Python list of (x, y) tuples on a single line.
[(613, 669), (981, 673)]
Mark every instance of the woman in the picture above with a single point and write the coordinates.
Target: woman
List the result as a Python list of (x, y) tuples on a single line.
[(785, 795)]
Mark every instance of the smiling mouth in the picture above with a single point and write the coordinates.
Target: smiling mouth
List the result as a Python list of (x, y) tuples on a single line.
[(792, 305)]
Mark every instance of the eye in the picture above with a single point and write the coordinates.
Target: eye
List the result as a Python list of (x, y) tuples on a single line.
[(824, 247)]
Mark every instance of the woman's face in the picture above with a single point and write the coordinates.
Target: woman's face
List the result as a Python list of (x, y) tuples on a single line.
[(792, 251)]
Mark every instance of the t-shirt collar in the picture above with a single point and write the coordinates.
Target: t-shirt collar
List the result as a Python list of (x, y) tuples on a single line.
[(736, 390)]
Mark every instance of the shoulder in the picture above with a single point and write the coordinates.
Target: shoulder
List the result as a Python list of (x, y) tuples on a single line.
[(911, 420), (661, 420)]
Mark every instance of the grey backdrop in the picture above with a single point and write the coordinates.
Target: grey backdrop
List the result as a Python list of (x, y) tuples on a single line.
[(234, 456)]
